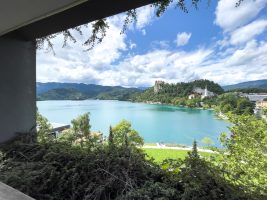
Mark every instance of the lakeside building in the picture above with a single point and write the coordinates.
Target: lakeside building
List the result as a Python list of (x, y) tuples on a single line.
[(261, 104), (254, 97), (191, 96), (259, 109), (57, 128)]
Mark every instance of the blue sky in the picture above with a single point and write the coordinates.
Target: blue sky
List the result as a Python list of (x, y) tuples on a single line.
[(219, 42)]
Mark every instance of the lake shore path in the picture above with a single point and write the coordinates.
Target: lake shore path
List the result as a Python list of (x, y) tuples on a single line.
[(176, 148)]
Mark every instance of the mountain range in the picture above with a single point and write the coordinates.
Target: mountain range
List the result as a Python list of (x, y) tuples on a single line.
[(249, 84), (80, 91)]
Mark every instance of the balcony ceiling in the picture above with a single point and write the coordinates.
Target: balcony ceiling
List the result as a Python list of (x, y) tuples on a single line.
[(31, 19), (18, 13)]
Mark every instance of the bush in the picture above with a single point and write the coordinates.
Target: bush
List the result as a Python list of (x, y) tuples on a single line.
[(61, 171)]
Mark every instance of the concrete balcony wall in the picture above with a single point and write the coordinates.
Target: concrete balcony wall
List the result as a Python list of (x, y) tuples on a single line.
[(17, 87), (9, 193)]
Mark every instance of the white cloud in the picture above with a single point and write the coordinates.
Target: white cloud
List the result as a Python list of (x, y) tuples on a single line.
[(240, 58), (248, 32), (163, 44), (143, 32), (182, 38), (74, 64), (132, 45), (229, 17), (145, 15), (244, 64)]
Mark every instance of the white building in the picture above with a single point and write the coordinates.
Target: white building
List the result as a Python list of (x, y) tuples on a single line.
[(203, 92), (255, 97)]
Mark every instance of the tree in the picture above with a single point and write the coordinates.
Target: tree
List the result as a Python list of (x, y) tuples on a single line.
[(67, 136), (244, 106), (231, 102), (244, 160), (110, 136), (207, 141), (99, 27), (44, 129), (124, 134), (81, 125), (81, 128), (202, 181)]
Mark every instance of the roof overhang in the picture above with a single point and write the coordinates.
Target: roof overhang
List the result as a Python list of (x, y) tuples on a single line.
[(31, 19), (15, 14)]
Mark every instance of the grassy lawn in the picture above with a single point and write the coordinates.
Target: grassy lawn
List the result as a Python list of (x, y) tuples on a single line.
[(161, 154)]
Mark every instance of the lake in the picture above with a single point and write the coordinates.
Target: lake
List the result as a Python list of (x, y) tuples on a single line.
[(155, 123)]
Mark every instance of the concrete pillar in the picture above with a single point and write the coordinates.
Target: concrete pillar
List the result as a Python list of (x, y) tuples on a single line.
[(17, 87)]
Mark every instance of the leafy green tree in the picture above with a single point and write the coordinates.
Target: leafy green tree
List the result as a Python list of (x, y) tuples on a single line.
[(124, 134), (244, 106), (81, 126), (207, 141), (44, 129), (202, 181), (244, 160), (67, 136), (230, 102), (110, 136)]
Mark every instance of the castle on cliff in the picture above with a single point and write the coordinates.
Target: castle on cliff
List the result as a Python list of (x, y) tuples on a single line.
[(158, 86)]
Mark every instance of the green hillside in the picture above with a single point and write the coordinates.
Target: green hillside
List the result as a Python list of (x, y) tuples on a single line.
[(62, 94), (170, 91), (76, 91)]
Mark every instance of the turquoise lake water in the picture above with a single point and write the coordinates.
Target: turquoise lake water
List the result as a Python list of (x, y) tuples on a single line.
[(155, 123)]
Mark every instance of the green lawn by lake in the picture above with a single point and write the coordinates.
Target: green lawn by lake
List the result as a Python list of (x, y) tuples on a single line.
[(162, 154)]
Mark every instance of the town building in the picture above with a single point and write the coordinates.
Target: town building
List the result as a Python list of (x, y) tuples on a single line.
[(261, 104), (255, 97), (191, 96)]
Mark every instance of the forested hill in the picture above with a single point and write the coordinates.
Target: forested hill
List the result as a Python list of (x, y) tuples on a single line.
[(182, 90), (76, 91), (248, 84)]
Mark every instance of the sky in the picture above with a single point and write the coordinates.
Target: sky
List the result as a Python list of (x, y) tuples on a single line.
[(218, 42)]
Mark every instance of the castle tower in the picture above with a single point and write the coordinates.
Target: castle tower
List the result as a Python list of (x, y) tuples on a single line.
[(158, 86)]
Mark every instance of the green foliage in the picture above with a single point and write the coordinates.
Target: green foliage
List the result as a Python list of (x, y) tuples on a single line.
[(124, 135), (75, 91), (81, 125), (100, 26), (110, 136), (245, 157), (178, 93), (67, 136), (202, 181), (160, 155), (207, 141), (249, 90), (58, 169), (62, 94), (231, 102), (44, 129), (62, 171)]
